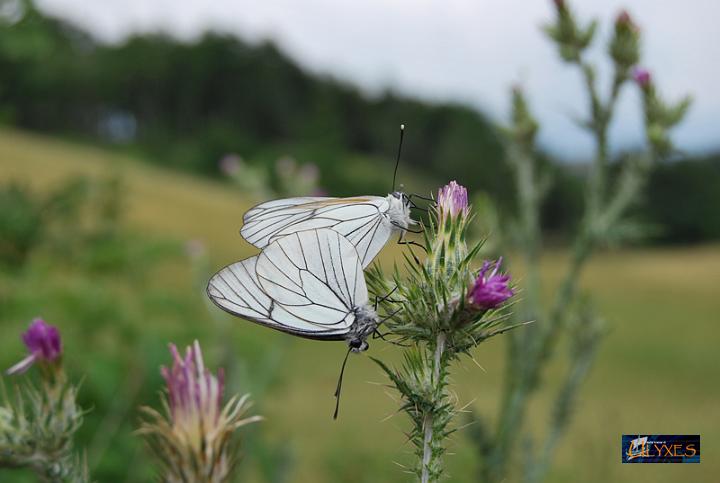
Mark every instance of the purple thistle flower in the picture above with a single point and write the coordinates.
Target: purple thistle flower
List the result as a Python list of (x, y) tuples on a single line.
[(490, 290), (452, 200), (194, 394), (642, 77), (43, 342), (194, 438)]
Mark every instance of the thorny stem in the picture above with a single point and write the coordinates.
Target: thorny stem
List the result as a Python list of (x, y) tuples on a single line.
[(596, 207), (529, 194), (428, 421), (538, 344)]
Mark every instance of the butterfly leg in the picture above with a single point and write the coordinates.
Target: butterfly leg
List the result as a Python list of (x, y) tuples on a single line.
[(420, 197), (410, 243), (415, 206), (378, 335), (379, 299)]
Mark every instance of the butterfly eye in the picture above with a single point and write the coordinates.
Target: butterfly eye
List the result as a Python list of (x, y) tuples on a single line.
[(358, 345)]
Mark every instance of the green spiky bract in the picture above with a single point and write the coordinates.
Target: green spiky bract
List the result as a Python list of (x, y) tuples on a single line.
[(37, 426)]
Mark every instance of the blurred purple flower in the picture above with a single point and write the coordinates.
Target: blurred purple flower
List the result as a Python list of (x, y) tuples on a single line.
[(285, 166), (230, 164), (43, 342), (452, 200), (642, 77), (194, 394), (195, 248), (309, 172), (490, 290)]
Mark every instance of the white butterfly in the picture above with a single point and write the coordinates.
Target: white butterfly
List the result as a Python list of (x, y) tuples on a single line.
[(308, 283), (366, 221)]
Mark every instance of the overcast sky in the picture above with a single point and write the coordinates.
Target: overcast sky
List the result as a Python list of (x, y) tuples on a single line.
[(462, 50)]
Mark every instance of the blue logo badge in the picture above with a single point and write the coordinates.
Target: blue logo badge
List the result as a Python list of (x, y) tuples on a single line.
[(661, 448)]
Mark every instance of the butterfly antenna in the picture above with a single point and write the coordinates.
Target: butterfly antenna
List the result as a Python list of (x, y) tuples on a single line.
[(397, 159), (339, 384)]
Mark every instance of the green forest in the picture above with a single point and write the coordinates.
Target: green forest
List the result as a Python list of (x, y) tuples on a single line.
[(186, 105)]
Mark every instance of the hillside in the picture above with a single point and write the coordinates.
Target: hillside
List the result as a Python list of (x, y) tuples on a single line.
[(187, 104), (661, 306)]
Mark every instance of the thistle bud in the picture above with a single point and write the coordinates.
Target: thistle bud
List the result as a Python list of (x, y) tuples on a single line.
[(570, 37), (624, 20), (452, 201), (524, 125), (448, 244), (625, 45)]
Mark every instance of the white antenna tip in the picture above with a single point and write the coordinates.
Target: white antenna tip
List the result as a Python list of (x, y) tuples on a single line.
[(402, 126)]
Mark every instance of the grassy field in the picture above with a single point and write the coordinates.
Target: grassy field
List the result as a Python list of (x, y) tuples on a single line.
[(657, 372)]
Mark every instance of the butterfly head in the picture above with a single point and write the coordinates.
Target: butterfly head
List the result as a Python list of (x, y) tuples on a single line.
[(358, 345), (399, 209)]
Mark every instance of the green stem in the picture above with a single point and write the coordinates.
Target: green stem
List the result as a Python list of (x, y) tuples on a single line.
[(429, 420), (529, 351)]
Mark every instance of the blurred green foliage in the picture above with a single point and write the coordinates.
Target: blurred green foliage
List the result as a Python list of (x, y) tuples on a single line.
[(69, 256), (682, 200), (20, 225)]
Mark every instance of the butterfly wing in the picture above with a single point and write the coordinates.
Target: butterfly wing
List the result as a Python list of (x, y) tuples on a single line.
[(315, 279), (236, 290), (361, 220)]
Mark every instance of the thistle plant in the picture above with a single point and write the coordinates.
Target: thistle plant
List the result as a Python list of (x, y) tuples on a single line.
[(441, 309), (612, 186), (194, 437), (38, 424)]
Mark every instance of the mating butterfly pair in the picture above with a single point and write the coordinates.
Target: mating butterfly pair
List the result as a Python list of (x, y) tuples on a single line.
[(308, 280)]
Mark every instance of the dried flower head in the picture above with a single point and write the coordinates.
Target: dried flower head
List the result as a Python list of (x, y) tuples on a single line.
[(193, 440), (490, 289), (43, 343)]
